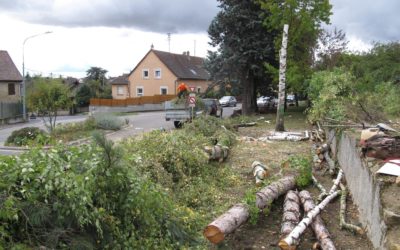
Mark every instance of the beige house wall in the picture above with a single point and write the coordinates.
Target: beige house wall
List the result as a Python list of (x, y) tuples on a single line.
[(114, 90), (152, 85), (4, 97)]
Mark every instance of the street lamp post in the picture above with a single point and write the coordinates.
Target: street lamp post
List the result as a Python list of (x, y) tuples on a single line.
[(23, 72)]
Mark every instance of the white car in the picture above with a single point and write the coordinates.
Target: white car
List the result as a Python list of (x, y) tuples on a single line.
[(267, 102), (227, 101)]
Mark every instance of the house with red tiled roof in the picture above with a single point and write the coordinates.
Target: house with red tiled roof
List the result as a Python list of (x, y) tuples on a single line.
[(10, 79), (120, 87), (160, 73)]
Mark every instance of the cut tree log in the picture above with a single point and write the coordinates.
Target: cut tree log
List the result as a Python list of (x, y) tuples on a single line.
[(217, 152), (265, 196), (291, 213), (260, 171), (216, 231), (317, 225), (331, 163), (322, 149), (293, 238), (342, 215)]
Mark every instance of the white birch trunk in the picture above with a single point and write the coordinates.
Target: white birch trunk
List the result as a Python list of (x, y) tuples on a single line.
[(317, 225), (282, 81), (293, 238)]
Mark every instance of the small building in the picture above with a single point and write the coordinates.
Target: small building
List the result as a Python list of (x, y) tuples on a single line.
[(10, 79), (120, 87), (160, 73)]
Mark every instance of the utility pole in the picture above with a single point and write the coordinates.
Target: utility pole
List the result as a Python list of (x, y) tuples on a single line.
[(24, 116)]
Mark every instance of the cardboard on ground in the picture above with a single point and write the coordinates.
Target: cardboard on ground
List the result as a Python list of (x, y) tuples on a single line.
[(390, 168)]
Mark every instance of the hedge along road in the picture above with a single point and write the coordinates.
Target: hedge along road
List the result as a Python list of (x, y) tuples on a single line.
[(138, 123)]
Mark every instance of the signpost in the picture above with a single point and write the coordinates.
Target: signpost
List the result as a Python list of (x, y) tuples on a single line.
[(192, 102)]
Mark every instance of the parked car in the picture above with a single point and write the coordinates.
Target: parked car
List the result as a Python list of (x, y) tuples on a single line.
[(227, 101), (290, 100), (213, 107), (265, 102)]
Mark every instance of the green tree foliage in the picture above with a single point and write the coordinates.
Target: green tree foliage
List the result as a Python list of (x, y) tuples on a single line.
[(97, 82), (304, 18), (83, 96), (331, 47), (47, 98), (243, 46), (84, 197)]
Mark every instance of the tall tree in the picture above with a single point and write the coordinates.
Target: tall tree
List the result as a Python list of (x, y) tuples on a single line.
[(47, 98), (96, 80), (331, 45), (304, 18), (282, 81), (244, 44), (96, 73)]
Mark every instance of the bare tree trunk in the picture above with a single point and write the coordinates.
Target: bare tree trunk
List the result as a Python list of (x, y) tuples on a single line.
[(317, 225), (282, 81), (216, 231), (294, 237), (291, 213)]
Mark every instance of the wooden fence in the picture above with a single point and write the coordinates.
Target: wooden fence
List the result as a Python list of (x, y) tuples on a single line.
[(156, 99), (10, 110)]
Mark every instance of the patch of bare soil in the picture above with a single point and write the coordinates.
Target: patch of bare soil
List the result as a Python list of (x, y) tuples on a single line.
[(266, 233)]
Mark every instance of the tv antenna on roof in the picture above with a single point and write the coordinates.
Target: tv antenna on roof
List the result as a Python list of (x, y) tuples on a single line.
[(169, 41)]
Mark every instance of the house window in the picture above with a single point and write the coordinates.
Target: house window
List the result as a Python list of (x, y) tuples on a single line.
[(11, 89), (157, 73), (198, 89), (120, 90), (163, 90), (139, 91), (145, 74)]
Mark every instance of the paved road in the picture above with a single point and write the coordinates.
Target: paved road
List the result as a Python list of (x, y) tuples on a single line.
[(139, 123)]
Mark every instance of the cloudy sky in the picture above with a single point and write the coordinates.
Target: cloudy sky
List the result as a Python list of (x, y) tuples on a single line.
[(115, 35)]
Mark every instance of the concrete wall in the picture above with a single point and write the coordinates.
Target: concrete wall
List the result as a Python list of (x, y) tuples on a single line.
[(132, 108), (363, 187)]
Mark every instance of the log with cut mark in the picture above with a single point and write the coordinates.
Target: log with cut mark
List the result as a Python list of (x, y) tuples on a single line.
[(216, 231), (318, 226), (291, 213), (331, 163), (293, 238)]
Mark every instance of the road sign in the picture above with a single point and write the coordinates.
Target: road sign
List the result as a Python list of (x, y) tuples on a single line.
[(192, 89), (192, 100)]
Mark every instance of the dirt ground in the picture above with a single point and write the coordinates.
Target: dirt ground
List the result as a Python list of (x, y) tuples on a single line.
[(266, 233)]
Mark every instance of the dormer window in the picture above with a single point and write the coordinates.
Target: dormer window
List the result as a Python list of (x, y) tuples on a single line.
[(145, 74), (157, 73)]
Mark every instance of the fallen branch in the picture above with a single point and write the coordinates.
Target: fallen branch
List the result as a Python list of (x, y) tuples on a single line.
[(216, 231), (319, 185), (317, 225), (334, 186), (294, 237), (242, 125), (343, 225), (291, 213)]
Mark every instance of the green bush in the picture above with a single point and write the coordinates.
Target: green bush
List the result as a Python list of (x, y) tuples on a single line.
[(28, 136), (108, 121), (85, 197)]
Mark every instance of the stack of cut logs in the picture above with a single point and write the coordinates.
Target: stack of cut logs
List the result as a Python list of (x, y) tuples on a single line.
[(292, 224)]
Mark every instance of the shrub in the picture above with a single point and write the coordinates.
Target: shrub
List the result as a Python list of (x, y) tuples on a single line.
[(27, 136), (108, 121)]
